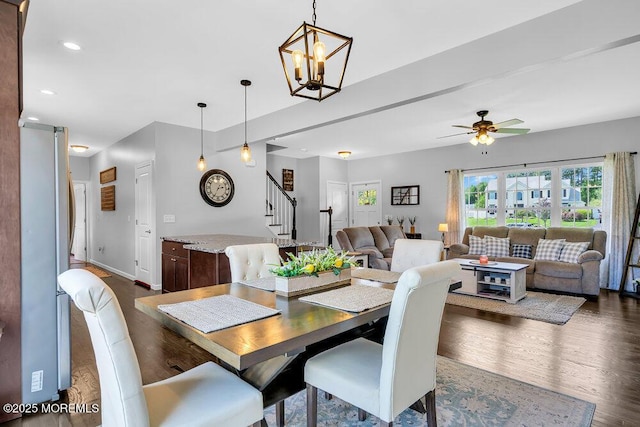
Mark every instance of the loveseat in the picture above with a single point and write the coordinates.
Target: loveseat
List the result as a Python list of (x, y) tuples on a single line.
[(376, 241), (579, 277)]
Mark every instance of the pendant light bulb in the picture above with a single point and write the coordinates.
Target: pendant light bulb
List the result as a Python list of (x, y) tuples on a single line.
[(202, 163), (319, 57), (297, 57), (245, 151)]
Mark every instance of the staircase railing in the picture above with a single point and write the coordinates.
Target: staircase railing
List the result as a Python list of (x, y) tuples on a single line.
[(281, 207)]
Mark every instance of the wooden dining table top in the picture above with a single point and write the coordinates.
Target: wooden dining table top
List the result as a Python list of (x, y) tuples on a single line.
[(298, 325)]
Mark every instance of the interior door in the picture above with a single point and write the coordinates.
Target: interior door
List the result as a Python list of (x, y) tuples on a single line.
[(144, 224), (79, 247), (337, 198), (366, 204)]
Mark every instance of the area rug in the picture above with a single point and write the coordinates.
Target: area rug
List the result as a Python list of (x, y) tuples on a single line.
[(465, 396), (98, 272), (550, 308)]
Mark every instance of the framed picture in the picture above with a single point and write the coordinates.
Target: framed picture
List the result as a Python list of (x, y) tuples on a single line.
[(108, 175), (108, 198), (407, 195), (287, 179)]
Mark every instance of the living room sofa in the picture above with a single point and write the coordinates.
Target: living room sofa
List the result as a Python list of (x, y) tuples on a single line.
[(581, 277), (376, 241)]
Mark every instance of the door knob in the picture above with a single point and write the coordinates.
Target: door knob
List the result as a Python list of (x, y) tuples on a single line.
[(148, 231)]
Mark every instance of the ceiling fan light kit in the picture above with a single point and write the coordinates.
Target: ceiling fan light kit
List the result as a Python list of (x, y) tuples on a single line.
[(482, 128), (305, 56)]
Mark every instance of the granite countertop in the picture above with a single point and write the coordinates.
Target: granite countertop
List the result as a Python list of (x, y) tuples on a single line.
[(216, 243)]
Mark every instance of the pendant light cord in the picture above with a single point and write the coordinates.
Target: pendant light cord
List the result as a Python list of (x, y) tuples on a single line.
[(314, 13), (245, 114), (201, 131)]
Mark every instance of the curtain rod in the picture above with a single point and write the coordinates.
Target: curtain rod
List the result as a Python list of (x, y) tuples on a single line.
[(633, 153)]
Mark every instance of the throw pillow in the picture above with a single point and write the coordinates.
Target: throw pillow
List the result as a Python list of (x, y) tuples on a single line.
[(477, 246), (522, 251), (549, 250), (496, 246), (571, 251)]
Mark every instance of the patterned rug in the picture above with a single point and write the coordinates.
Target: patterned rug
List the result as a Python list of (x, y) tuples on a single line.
[(465, 396), (549, 308), (98, 272)]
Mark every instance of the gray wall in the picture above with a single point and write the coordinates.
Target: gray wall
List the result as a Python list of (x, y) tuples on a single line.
[(80, 168), (111, 234), (175, 150), (426, 168)]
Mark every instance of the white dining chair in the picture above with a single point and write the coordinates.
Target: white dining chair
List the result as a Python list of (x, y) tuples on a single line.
[(207, 395), (250, 262), (409, 253), (385, 379)]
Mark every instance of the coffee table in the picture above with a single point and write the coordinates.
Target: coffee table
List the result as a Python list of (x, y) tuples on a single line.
[(504, 281)]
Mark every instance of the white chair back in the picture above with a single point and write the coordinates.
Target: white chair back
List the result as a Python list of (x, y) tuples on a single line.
[(123, 401), (250, 262), (409, 253), (411, 337)]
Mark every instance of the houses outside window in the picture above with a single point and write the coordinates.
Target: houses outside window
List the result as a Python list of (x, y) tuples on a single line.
[(567, 196)]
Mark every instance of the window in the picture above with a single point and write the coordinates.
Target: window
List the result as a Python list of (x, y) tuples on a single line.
[(568, 196), (583, 202), (367, 197), (479, 206)]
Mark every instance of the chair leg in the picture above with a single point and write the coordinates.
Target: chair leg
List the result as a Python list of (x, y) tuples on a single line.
[(312, 406), (362, 414), (328, 396), (387, 424), (430, 400), (280, 413)]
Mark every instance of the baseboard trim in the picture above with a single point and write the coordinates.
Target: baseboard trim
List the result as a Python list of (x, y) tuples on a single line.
[(154, 287), (113, 270)]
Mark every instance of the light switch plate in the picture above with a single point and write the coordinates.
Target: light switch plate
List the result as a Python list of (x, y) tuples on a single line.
[(169, 218)]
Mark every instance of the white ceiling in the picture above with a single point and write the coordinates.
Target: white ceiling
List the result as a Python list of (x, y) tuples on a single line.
[(416, 68)]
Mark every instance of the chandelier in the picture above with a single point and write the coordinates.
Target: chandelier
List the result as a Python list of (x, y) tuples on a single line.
[(305, 56), (482, 137)]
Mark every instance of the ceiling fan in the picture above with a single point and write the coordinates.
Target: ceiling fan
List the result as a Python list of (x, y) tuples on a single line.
[(482, 128)]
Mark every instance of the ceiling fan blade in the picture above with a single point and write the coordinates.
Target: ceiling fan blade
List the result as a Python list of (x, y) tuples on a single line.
[(507, 123), (517, 131), (456, 134), (462, 126)]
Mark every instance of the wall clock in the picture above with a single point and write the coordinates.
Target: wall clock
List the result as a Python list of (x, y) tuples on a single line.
[(216, 187)]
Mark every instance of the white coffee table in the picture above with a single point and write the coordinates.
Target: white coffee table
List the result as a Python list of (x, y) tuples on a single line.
[(504, 281)]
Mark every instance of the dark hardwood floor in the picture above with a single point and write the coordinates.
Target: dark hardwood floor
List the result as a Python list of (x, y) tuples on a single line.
[(595, 356)]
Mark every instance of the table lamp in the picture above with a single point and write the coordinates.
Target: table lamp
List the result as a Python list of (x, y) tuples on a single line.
[(443, 228)]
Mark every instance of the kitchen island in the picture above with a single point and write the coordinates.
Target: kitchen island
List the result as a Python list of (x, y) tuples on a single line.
[(196, 261)]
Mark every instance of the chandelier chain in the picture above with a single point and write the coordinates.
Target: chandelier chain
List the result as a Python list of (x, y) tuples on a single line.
[(314, 13)]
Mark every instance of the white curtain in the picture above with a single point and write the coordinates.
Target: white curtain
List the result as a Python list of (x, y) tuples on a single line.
[(453, 215), (619, 199)]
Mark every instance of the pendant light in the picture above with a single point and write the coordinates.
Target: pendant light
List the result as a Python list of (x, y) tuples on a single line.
[(202, 163), (245, 151), (305, 56)]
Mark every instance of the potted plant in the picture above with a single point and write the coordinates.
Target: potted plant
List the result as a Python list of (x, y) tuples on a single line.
[(400, 220), (312, 271), (389, 219), (412, 221)]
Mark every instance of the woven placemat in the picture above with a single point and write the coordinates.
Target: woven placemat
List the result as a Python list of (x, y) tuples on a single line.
[(265, 283), (215, 313), (354, 298), (382, 276)]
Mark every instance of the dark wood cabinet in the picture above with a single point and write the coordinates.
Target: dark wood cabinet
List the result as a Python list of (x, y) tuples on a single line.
[(175, 267), (413, 235)]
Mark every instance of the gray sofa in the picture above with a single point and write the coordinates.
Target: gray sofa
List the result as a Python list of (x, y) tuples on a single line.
[(376, 241), (582, 277)]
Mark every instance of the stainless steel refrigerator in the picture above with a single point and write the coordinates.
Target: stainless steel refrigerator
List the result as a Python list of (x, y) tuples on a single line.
[(46, 210)]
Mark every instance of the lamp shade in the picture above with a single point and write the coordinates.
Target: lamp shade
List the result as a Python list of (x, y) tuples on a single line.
[(443, 228)]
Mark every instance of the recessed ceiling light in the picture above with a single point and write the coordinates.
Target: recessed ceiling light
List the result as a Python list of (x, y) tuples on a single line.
[(47, 92), (71, 45), (79, 148), (303, 149), (35, 119)]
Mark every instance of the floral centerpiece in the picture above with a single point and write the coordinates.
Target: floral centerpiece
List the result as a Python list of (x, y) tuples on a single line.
[(389, 219), (311, 271)]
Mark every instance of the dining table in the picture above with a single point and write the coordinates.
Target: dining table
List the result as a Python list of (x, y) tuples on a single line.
[(269, 353)]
